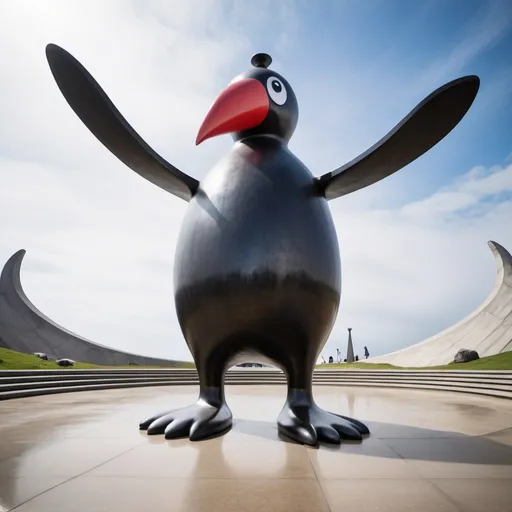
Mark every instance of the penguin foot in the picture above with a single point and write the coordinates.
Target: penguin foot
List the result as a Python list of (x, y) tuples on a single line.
[(198, 421), (308, 424)]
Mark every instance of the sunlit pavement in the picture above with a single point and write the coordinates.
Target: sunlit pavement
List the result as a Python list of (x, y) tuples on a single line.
[(428, 451)]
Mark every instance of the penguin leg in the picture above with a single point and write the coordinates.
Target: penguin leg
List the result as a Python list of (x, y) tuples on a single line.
[(303, 421), (208, 417)]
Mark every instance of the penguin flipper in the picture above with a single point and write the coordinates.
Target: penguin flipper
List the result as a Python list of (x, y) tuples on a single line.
[(92, 105), (428, 123)]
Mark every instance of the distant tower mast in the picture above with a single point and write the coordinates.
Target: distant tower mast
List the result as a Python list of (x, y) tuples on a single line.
[(350, 347)]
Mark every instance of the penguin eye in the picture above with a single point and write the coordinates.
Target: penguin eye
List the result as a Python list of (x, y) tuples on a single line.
[(276, 90)]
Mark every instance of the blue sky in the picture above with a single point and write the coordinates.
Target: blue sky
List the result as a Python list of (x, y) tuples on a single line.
[(407, 49), (100, 240)]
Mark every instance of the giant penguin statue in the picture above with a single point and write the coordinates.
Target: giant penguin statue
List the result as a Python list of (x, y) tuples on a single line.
[(257, 268)]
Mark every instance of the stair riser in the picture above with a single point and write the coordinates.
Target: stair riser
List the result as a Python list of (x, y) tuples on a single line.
[(45, 391)]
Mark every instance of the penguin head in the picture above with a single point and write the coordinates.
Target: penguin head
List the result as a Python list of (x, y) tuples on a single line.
[(257, 102)]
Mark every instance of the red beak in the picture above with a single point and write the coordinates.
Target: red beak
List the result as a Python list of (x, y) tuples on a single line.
[(243, 105)]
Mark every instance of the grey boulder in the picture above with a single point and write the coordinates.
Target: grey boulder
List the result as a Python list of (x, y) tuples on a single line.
[(66, 362), (465, 355)]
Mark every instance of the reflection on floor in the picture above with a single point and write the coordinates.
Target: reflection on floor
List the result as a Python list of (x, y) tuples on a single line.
[(428, 451)]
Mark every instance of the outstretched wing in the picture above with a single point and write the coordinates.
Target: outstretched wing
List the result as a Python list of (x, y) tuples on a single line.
[(415, 134), (99, 114)]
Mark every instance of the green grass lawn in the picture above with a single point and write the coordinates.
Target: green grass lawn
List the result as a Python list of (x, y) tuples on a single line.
[(11, 360), (497, 362), (359, 365)]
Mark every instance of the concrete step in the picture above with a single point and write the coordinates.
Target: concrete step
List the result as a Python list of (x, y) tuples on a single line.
[(23, 383), (69, 371), (316, 378), (433, 387), (419, 371), (57, 381), (487, 382), (414, 383), (41, 384), (71, 377), (473, 373), (114, 382), (69, 389), (21, 393), (65, 381), (331, 373)]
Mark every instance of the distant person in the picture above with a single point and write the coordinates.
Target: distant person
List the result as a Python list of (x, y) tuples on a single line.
[(366, 353), (331, 360), (357, 358)]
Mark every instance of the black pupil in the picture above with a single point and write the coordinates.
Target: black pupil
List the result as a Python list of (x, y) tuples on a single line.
[(277, 86)]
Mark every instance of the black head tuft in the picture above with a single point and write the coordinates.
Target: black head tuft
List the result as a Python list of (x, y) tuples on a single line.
[(261, 60)]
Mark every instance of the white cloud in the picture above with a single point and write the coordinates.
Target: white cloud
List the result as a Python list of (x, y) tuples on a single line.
[(101, 240), (477, 185), (411, 271)]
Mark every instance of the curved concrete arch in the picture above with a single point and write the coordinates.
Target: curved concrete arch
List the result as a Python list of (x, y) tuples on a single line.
[(488, 329), (26, 329)]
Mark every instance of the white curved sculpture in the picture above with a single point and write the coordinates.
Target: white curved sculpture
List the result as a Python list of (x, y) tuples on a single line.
[(25, 329), (488, 330)]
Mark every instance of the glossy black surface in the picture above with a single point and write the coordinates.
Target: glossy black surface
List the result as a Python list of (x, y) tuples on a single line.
[(303, 421), (427, 124), (281, 119), (208, 417), (261, 60), (257, 268), (98, 113)]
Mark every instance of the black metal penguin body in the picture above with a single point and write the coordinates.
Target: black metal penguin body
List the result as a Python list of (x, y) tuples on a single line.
[(257, 268)]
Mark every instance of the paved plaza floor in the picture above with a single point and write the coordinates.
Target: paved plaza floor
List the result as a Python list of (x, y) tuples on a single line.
[(428, 451)]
